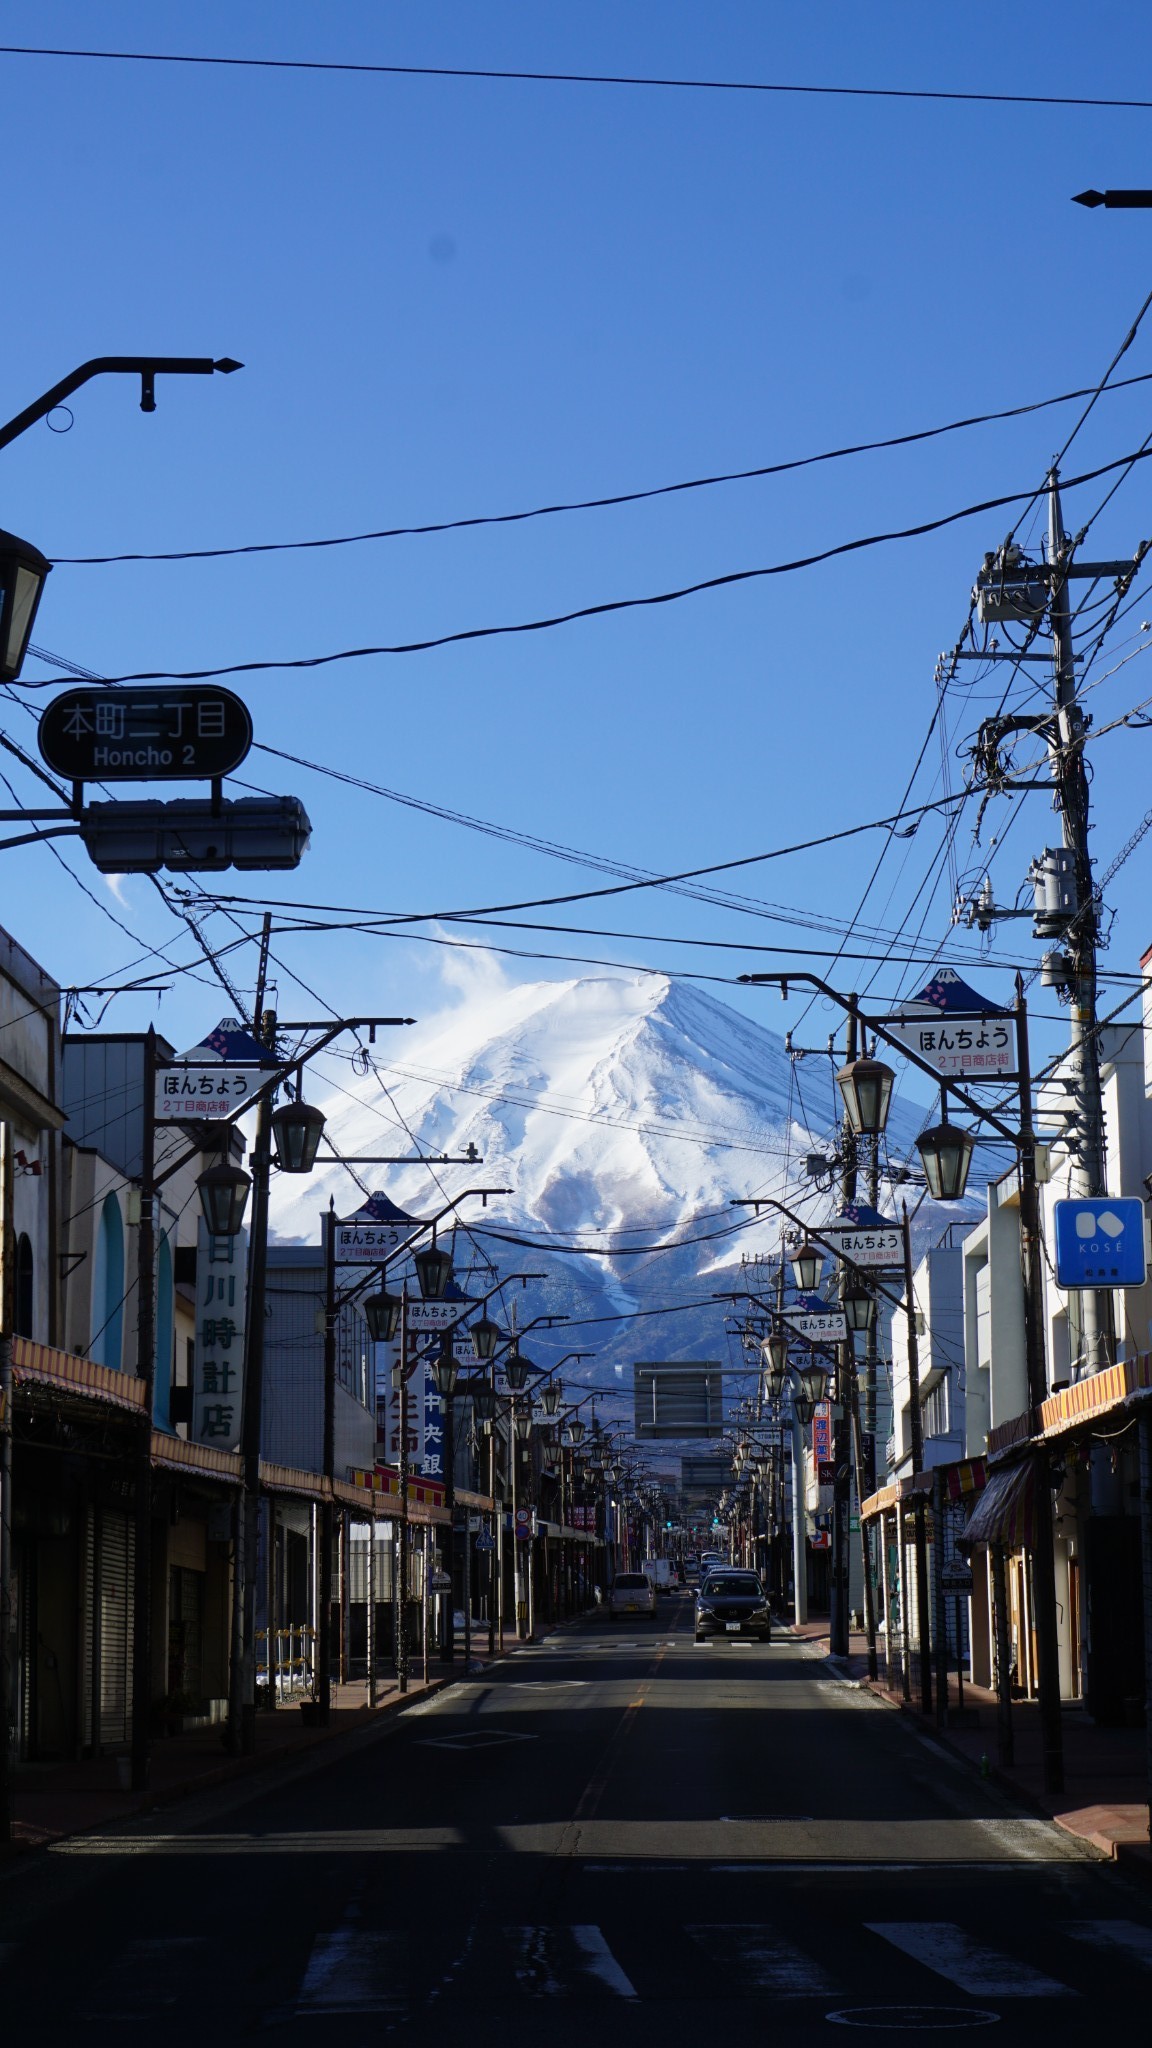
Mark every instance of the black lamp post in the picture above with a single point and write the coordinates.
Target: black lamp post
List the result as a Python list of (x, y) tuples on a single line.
[(22, 572), (517, 1369), (297, 1128), (485, 1335), (223, 1196), (382, 1315), (866, 1086), (433, 1271), (445, 1368), (859, 1307), (946, 1154), (807, 1265)]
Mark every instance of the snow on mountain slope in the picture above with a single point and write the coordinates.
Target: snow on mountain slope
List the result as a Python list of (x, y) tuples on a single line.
[(622, 1109)]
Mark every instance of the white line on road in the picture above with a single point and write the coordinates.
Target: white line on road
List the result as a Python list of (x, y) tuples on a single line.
[(762, 1960), (949, 1952), (352, 1971), (600, 1961)]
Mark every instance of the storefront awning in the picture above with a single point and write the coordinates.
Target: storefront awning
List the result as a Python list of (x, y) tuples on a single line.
[(1005, 1516)]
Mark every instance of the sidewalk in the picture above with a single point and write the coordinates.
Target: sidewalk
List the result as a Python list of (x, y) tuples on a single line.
[(53, 1800), (1105, 1797)]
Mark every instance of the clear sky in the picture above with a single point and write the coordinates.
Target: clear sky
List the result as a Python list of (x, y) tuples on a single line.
[(457, 297)]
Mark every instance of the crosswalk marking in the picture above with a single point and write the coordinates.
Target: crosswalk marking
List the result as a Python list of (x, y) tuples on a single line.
[(1127, 1936), (354, 1971), (948, 1951), (559, 1962), (760, 1959)]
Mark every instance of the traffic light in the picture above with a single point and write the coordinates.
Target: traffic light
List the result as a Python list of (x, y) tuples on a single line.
[(195, 835)]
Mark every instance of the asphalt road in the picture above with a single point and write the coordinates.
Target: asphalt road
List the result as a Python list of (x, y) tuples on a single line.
[(612, 1837)]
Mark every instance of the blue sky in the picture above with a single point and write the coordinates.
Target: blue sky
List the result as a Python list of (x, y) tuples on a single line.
[(458, 297)]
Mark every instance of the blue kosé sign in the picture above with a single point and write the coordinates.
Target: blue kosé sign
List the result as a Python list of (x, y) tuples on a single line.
[(1100, 1242)]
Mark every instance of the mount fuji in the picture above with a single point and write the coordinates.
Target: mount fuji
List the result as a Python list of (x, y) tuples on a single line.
[(625, 1112)]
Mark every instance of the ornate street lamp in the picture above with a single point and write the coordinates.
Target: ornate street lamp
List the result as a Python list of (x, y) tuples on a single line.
[(812, 1380), (866, 1086), (774, 1352), (223, 1194), (517, 1369), (551, 1397), (576, 1430), (485, 1336), (807, 1265), (484, 1403), (22, 572), (524, 1425), (859, 1306), (445, 1368), (803, 1408), (296, 1131), (382, 1315), (946, 1154), (433, 1271)]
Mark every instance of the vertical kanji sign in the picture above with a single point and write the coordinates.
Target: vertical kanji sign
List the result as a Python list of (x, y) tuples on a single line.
[(221, 1296)]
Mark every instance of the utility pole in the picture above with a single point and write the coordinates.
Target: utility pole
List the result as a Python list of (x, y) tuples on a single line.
[(843, 1402), (146, 1371), (7, 1390), (1087, 1175), (916, 1432)]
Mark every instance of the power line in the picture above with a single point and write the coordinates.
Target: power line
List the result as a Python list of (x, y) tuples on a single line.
[(612, 78), (731, 578), (699, 483)]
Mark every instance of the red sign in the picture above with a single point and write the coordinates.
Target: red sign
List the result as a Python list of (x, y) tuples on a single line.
[(822, 1432)]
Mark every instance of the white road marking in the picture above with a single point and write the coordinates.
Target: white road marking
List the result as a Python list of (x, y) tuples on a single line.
[(556, 1962), (763, 1960), (949, 1952), (1126, 1936), (600, 1961), (352, 1971)]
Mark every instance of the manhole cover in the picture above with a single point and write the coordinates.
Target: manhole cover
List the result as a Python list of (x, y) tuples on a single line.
[(899, 2018)]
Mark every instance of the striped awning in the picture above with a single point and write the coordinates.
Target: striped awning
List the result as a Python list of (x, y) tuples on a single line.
[(1005, 1515)]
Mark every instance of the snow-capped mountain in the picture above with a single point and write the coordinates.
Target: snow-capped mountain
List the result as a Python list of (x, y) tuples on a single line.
[(625, 1111)]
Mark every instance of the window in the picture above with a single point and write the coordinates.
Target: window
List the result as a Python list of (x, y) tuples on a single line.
[(108, 1288), (25, 1286)]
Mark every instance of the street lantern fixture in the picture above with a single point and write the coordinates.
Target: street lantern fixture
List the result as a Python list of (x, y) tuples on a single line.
[(445, 1368), (382, 1315), (576, 1430), (866, 1086), (297, 1128), (859, 1307), (803, 1408), (812, 1379), (946, 1154), (22, 572), (524, 1425), (517, 1369), (433, 1271), (484, 1403), (485, 1335), (551, 1397), (223, 1195), (807, 1265)]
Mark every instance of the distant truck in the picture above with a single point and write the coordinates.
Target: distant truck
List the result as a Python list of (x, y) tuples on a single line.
[(662, 1573)]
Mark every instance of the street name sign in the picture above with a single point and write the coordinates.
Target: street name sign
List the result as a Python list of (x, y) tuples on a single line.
[(215, 1078), (171, 734), (812, 1318), (962, 1035), (862, 1237), (435, 1315), (368, 1244), (1100, 1242)]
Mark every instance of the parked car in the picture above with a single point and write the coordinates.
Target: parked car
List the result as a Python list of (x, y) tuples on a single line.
[(732, 1603), (632, 1593)]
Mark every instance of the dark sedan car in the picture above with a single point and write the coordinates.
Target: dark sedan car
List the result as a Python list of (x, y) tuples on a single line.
[(732, 1604)]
